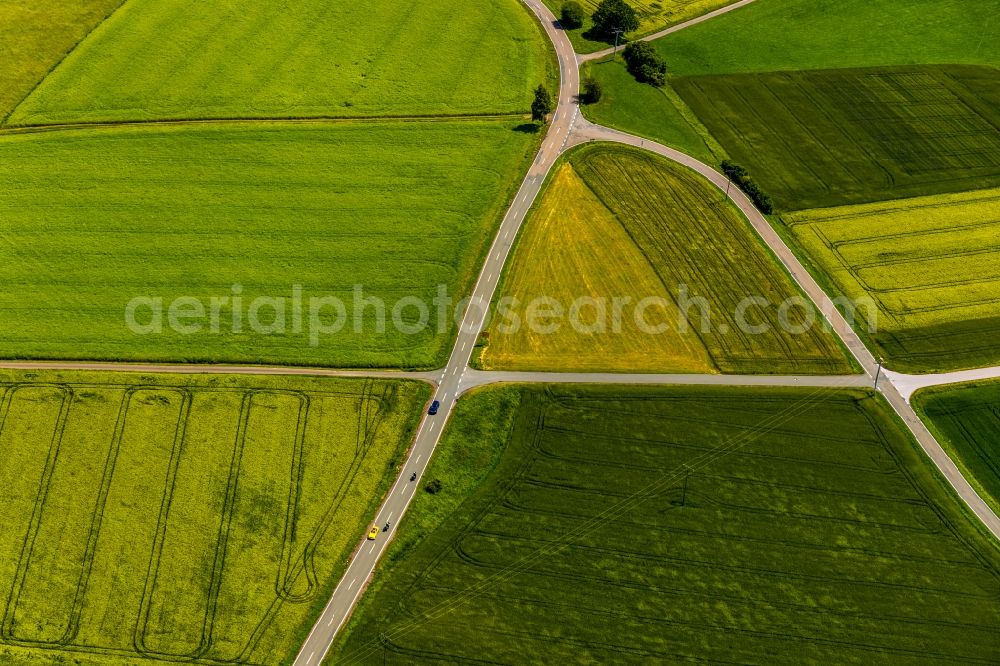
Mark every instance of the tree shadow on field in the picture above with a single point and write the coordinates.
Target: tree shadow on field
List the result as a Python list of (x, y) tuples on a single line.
[(527, 128)]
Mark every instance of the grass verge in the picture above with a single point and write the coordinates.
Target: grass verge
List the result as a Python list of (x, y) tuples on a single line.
[(655, 113), (966, 421)]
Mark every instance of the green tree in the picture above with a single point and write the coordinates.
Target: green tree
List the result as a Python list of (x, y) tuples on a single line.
[(645, 64), (592, 92), (612, 15), (572, 16), (542, 106)]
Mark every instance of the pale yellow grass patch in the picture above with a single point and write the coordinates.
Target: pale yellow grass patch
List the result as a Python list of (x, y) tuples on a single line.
[(572, 247)]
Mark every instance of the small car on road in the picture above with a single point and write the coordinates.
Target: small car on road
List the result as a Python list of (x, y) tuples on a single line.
[(373, 534), (435, 406)]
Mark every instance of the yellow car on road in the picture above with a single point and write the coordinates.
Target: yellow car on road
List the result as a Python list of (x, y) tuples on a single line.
[(373, 534)]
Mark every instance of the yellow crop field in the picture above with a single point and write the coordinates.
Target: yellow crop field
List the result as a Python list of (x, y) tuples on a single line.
[(574, 247), (618, 228), (930, 264)]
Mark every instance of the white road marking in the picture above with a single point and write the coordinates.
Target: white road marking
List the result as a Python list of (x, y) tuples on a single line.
[(373, 548), (419, 457), (313, 654), (351, 586)]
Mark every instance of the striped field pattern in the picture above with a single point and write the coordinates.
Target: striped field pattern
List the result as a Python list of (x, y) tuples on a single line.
[(823, 138), (183, 519), (931, 265), (641, 525)]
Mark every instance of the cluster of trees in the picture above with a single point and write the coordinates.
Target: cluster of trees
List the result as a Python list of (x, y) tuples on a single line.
[(645, 64), (610, 17), (572, 15), (742, 178), (592, 92), (543, 105)]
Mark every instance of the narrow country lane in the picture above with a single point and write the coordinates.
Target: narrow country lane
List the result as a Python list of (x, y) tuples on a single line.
[(604, 53), (429, 433), (566, 130)]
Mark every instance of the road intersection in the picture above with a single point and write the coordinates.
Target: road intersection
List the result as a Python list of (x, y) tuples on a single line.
[(567, 129)]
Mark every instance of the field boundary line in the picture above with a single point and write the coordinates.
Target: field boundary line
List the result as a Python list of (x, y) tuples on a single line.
[(9, 130), (54, 67)]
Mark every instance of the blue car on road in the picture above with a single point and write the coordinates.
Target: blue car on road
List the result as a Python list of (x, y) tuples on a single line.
[(435, 406)]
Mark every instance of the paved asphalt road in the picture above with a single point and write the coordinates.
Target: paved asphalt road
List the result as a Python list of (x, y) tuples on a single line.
[(907, 385), (597, 55), (474, 378), (568, 128), (365, 559)]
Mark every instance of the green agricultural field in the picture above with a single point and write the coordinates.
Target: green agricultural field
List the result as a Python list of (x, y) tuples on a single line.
[(94, 218), (225, 59), (655, 113), (966, 420), (620, 223), (824, 138), (931, 265), (670, 524), (776, 35), (184, 518), (654, 15), (34, 37)]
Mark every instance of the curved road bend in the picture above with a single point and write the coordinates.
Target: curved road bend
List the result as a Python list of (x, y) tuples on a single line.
[(812, 289), (566, 122), (429, 432)]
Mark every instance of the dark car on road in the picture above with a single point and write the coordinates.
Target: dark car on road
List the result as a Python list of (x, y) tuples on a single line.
[(435, 406)]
